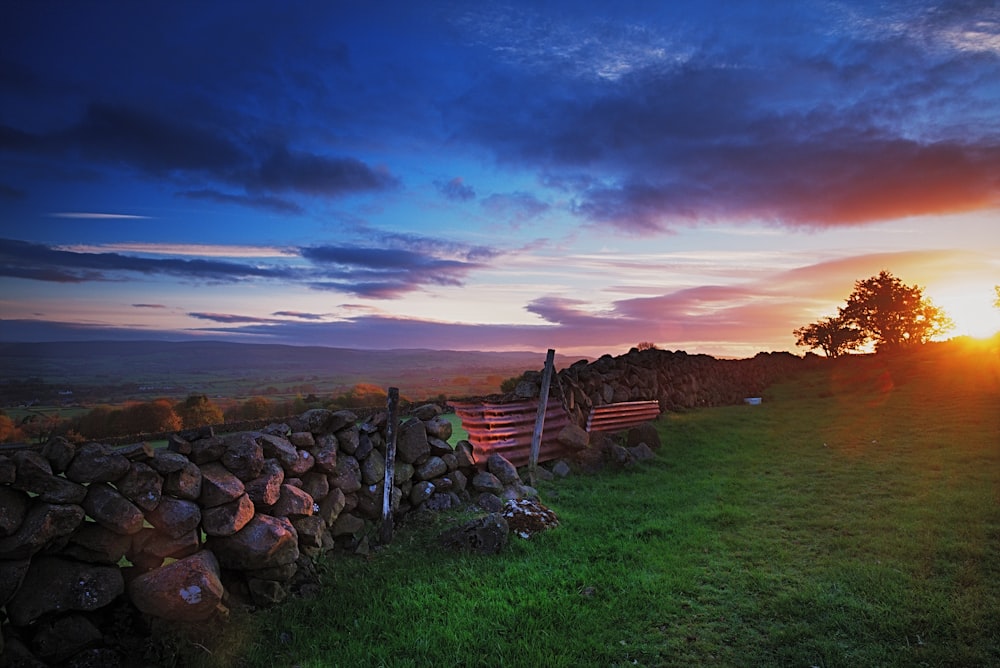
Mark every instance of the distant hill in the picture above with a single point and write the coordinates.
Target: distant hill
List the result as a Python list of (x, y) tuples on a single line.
[(235, 369)]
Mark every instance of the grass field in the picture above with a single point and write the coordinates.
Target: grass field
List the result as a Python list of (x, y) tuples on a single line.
[(852, 519)]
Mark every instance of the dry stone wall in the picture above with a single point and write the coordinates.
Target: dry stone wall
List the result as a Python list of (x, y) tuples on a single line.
[(211, 521)]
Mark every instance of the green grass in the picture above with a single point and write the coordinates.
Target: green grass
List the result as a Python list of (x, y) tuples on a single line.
[(852, 519)]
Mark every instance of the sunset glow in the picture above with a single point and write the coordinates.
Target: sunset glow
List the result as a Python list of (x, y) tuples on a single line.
[(578, 176)]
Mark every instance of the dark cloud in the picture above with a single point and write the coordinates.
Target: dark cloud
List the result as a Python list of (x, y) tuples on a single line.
[(285, 171), (299, 315), (275, 204), (456, 189), (517, 207), (155, 306), (232, 319), (22, 259)]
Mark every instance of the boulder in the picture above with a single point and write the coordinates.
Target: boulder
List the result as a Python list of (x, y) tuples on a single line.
[(561, 469), (12, 573), (59, 452), (484, 481), (13, 508), (644, 433), (641, 453), (349, 439), (316, 484), (347, 524), (292, 502), (501, 467), (188, 590), (463, 451), (95, 543), (205, 450), (219, 485), (427, 412), (331, 506), (431, 468), (243, 456), (111, 510), (228, 518), (60, 638), (411, 442), (175, 517), (95, 462), (439, 427), (265, 541), (185, 483), (302, 463), (141, 485), (526, 517), (347, 475), (325, 453), (302, 439), (167, 461), (151, 542), (43, 523), (574, 437), (265, 489), (421, 491), (280, 448), (53, 584)]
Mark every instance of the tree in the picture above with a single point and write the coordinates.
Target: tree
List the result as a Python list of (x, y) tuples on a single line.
[(833, 336), (149, 417), (646, 345), (891, 314), (198, 411)]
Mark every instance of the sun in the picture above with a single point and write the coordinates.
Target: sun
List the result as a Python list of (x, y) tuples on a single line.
[(970, 306)]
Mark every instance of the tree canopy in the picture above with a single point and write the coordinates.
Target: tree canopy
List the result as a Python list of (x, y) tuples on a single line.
[(882, 310)]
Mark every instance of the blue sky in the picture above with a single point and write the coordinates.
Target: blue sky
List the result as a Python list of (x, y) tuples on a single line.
[(521, 176)]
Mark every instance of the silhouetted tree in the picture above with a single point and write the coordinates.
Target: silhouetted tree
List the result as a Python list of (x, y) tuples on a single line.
[(891, 314), (646, 345), (832, 335)]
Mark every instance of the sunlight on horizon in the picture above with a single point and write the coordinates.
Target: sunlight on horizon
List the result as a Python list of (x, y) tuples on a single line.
[(970, 306)]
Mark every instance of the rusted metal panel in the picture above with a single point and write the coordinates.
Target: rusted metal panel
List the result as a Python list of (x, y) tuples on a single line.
[(622, 415), (506, 429)]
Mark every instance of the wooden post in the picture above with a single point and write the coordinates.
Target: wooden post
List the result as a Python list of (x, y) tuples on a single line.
[(391, 428), (543, 400)]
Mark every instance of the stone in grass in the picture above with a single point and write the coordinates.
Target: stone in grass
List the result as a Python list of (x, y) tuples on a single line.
[(526, 517), (484, 535), (187, 590), (501, 467)]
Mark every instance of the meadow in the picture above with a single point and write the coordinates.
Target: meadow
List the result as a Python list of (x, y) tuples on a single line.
[(851, 519)]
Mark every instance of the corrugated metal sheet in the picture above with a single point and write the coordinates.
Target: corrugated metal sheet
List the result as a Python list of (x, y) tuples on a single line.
[(506, 429), (623, 415)]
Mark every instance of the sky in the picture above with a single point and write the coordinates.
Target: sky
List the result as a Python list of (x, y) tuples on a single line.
[(583, 176)]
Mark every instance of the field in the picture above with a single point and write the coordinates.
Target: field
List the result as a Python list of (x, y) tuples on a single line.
[(852, 519)]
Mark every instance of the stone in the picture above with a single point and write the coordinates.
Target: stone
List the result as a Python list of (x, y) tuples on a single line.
[(178, 444), (484, 535), (187, 590), (411, 442), (442, 501), (8, 471), (438, 447), (44, 523), (111, 510), (34, 474), (349, 439), (561, 469), (574, 437), (501, 467), (526, 389), (266, 593), (228, 518), (175, 517), (401, 471), (439, 427), (95, 543), (310, 531), (302, 463), (167, 461), (302, 439), (12, 573), (152, 541), (58, 639), (325, 453), (463, 451), (316, 484), (59, 453), (265, 489), (641, 453), (347, 524), (347, 475), (317, 420), (243, 456), (184, 483), (432, 468), (13, 508), (331, 505), (292, 502), (427, 412), (53, 584), (265, 541), (137, 452), (485, 481), (421, 491), (645, 433), (459, 480), (205, 450), (277, 447), (219, 485), (282, 573), (141, 485), (95, 462)]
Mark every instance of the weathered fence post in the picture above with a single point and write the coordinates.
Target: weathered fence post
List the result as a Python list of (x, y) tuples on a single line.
[(543, 400), (391, 427)]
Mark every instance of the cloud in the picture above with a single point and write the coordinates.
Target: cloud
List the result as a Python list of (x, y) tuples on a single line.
[(275, 204), (517, 207), (232, 319), (22, 259), (456, 189), (284, 171), (97, 216), (154, 306), (299, 315)]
